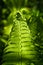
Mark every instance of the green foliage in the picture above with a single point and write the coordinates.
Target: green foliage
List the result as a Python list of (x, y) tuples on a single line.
[(21, 33), (19, 44)]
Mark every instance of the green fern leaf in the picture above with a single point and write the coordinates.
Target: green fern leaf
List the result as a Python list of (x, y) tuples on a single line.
[(20, 49)]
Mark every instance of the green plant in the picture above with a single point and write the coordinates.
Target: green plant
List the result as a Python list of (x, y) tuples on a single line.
[(20, 47), (25, 35)]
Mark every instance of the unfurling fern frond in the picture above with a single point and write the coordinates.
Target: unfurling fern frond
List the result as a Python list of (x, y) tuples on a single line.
[(20, 49)]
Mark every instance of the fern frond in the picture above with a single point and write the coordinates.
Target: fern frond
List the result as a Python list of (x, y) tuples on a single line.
[(20, 47)]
